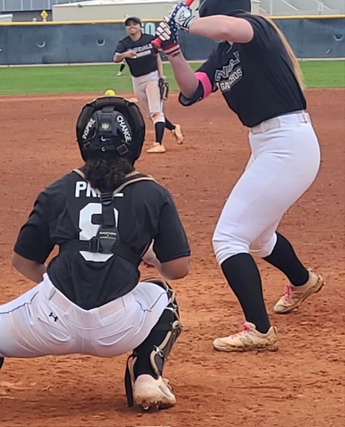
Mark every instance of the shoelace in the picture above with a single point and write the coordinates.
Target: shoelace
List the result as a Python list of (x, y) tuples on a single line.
[(246, 328), (287, 292)]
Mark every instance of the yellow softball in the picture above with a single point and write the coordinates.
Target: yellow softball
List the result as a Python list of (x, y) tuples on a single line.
[(110, 92)]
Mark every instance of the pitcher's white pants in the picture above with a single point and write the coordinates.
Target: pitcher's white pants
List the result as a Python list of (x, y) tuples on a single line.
[(44, 322), (146, 90), (283, 164)]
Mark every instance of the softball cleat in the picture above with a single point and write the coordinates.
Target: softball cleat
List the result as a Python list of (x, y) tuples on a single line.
[(157, 148), (248, 340), (295, 295), (178, 135), (152, 393)]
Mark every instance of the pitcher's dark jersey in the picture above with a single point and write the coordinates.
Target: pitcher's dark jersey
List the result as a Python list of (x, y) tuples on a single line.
[(146, 58), (256, 79), (70, 209)]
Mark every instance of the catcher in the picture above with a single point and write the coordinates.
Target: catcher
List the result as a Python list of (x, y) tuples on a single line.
[(88, 299), (150, 86)]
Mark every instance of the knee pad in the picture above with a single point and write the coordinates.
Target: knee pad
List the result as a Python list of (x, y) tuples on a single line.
[(170, 323), (157, 117)]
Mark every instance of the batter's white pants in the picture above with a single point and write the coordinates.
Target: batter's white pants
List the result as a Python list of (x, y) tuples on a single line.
[(285, 159), (44, 322), (149, 99)]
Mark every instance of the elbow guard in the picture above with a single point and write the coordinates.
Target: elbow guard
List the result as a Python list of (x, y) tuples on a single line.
[(196, 97), (203, 90)]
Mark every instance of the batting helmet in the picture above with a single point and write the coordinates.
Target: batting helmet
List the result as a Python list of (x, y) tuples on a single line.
[(110, 127), (222, 7)]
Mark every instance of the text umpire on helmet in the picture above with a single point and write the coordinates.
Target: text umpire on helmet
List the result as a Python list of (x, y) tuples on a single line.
[(89, 300)]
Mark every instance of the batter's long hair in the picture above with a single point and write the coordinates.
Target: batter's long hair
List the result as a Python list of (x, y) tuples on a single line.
[(295, 64), (106, 175)]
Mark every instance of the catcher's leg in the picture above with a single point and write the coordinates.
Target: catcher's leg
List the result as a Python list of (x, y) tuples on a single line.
[(145, 365)]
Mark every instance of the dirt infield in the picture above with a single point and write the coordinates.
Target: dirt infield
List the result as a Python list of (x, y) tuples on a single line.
[(300, 385)]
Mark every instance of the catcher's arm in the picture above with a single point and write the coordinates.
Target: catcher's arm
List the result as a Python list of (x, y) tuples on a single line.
[(32, 270), (170, 270)]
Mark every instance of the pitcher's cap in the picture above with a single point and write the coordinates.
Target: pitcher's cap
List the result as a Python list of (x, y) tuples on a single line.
[(134, 19)]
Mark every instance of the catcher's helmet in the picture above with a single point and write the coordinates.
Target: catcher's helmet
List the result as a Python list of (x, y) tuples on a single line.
[(110, 127), (222, 7)]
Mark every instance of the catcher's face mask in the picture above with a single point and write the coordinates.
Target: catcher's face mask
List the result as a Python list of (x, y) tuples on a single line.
[(110, 127), (220, 7)]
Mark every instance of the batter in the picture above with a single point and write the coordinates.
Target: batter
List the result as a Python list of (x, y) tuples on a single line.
[(259, 77)]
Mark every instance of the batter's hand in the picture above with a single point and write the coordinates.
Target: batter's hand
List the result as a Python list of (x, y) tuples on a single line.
[(168, 35), (181, 17)]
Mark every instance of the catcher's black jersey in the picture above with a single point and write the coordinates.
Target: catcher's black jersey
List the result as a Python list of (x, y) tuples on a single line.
[(146, 58), (70, 209), (256, 79)]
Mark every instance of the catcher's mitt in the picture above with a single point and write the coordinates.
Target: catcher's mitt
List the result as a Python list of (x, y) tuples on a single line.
[(163, 88)]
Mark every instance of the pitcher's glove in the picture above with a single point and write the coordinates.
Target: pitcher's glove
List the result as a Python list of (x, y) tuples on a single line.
[(163, 88)]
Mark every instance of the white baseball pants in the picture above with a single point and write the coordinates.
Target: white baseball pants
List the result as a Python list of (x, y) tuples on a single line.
[(44, 322), (285, 159)]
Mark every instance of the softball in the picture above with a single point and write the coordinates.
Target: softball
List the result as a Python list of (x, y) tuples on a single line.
[(110, 92)]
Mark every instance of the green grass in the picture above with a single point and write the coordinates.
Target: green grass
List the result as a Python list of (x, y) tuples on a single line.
[(98, 78), (324, 74)]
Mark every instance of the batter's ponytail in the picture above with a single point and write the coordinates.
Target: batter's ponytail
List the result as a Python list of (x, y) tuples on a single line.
[(295, 64)]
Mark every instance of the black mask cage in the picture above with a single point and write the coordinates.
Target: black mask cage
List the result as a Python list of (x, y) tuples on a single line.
[(110, 127), (222, 7)]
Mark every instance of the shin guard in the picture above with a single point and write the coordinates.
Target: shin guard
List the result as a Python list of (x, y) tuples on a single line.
[(156, 348)]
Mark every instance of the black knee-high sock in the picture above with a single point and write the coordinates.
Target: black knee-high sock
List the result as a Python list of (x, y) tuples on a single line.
[(143, 364), (155, 339), (284, 258), (122, 66), (169, 125), (244, 279), (159, 130)]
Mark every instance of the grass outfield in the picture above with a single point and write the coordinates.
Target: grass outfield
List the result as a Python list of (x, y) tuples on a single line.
[(98, 78)]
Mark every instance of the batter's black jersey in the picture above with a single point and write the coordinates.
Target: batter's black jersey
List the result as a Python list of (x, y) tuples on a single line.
[(146, 58), (70, 209), (256, 79)]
